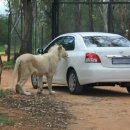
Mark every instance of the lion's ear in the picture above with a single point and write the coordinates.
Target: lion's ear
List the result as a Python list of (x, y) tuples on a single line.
[(59, 47)]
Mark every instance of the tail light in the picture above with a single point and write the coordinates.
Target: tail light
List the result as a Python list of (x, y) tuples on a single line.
[(92, 58)]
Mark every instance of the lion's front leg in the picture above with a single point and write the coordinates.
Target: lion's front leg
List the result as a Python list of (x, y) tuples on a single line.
[(49, 81), (40, 84)]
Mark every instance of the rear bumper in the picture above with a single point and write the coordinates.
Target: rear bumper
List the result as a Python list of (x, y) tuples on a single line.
[(96, 73)]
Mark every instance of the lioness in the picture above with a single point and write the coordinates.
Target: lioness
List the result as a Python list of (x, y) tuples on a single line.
[(46, 64)]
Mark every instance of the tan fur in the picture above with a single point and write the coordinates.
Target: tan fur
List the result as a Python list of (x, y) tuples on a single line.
[(28, 64)]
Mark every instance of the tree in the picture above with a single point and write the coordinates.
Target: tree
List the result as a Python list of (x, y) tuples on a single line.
[(123, 16), (91, 28), (22, 9), (77, 17), (129, 32), (3, 30), (27, 27), (106, 13), (103, 11)]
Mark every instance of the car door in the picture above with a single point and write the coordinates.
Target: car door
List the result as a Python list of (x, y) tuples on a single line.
[(68, 43)]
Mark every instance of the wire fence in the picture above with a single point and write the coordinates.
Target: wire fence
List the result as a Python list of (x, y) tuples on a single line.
[(64, 17)]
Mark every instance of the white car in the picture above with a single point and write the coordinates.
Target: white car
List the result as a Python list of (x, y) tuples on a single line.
[(94, 59)]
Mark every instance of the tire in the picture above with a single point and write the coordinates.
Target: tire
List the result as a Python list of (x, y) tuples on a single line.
[(34, 80), (128, 89), (73, 83)]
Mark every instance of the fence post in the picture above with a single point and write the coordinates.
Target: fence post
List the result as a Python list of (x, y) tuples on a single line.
[(55, 18)]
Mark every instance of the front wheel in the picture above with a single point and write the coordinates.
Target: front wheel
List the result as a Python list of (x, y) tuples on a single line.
[(73, 83), (34, 80)]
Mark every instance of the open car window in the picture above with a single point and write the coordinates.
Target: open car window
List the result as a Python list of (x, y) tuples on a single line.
[(68, 43), (57, 41)]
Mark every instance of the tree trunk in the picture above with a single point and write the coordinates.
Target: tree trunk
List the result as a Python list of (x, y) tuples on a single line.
[(103, 10), (26, 46), (77, 16), (129, 33), (91, 28)]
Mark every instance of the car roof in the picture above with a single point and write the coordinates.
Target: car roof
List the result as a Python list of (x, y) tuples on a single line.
[(91, 34)]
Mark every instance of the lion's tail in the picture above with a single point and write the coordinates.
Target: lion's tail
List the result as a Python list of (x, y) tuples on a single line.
[(15, 73)]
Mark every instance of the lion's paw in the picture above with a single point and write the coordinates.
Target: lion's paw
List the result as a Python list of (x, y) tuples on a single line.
[(52, 92), (27, 93)]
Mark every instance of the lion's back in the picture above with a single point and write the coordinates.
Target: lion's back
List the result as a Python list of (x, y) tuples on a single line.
[(26, 57)]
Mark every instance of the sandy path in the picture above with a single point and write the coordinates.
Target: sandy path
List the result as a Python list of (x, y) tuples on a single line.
[(104, 108)]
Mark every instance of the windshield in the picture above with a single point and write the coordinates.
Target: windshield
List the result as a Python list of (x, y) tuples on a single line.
[(106, 41)]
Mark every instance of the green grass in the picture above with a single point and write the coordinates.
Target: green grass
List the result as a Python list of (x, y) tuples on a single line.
[(4, 120), (4, 93), (24, 119), (2, 50), (8, 64)]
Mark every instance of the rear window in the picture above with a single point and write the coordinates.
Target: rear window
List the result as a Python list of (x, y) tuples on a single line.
[(106, 41)]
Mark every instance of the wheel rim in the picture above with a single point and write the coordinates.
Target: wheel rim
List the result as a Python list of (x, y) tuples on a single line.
[(72, 82), (34, 80)]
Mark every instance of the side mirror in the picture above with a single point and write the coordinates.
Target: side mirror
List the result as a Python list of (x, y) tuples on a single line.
[(40, 51)]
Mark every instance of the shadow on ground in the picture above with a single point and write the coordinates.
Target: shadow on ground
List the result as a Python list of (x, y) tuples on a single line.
[(95, 91)]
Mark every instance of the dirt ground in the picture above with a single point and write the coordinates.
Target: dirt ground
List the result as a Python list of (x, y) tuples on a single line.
[(100, 108)]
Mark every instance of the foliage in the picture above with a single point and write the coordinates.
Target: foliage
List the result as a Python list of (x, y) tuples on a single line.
[(72, 17), (2, 49), (8, 64), (4, 120), (3, 30), (4, 93)]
